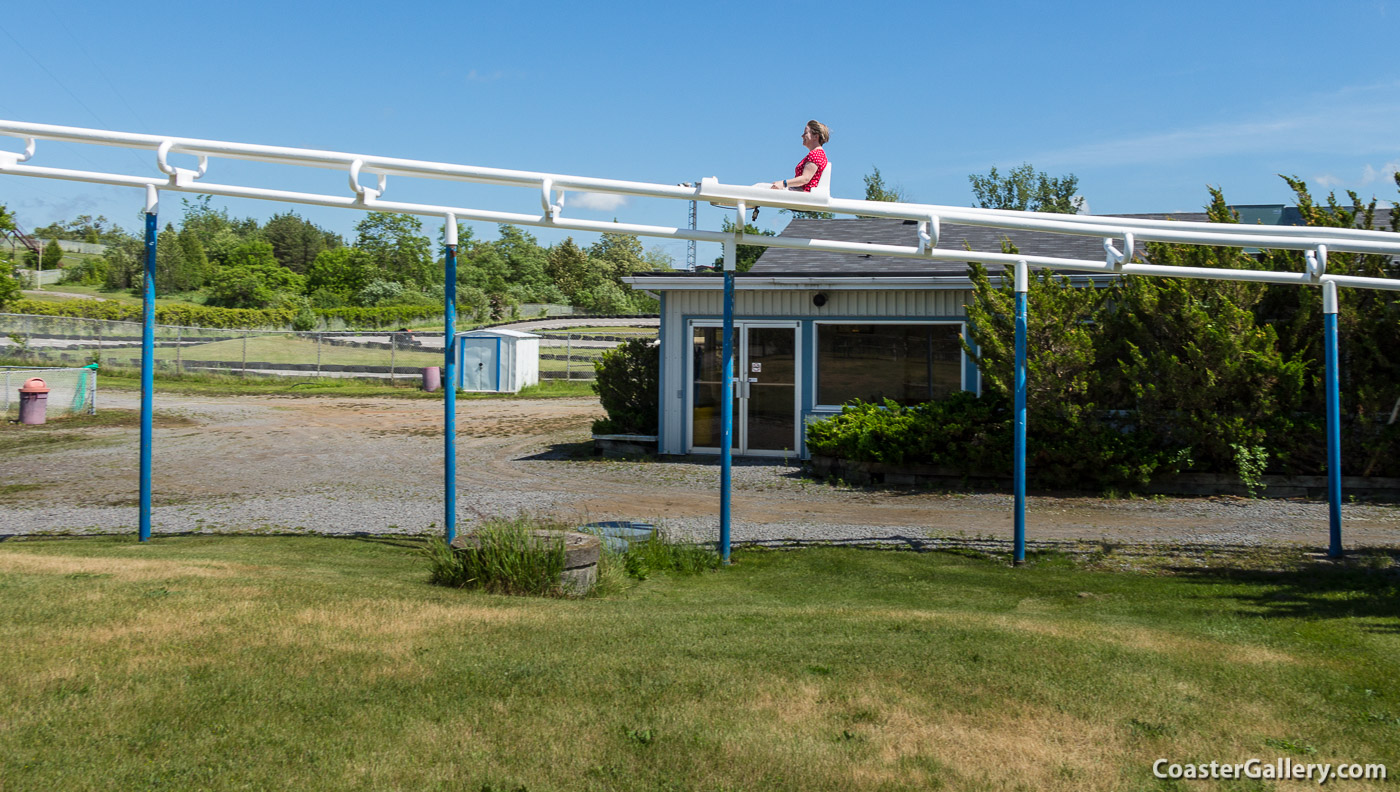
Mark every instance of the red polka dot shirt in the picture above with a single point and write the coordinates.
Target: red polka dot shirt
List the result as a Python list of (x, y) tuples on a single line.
[(817, 157)]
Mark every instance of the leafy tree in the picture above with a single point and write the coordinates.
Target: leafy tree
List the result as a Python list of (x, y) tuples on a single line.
[(483, 267), (605, 297), (526, 261), (655, 259), (338, 275), (744, 255), (84, 228), (125, 262), (253, 279), (619, 255), (400, 251), (10, 289), (9, 286), (1024, 189), (465, 236), (218, 234), (380, 292), (296, 242)]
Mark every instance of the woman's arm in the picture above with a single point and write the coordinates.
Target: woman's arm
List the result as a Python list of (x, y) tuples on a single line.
[(809, 171)]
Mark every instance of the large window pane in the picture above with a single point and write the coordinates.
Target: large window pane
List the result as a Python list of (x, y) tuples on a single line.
[(873, 362)]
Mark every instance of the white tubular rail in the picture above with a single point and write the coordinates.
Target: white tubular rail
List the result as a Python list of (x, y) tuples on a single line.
[(551, 188)]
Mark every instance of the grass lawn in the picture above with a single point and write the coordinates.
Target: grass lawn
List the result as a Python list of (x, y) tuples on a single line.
[(275, 348), (293, 350), (119, 295), (197, 383), (315, 663)]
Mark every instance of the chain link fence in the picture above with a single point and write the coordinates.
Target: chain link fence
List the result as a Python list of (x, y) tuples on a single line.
[(71, 390), (393, 356)]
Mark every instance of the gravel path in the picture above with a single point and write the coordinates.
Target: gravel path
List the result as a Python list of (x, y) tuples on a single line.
[(375, 466)]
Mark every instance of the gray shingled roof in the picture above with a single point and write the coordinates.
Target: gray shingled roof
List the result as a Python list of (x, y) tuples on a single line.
[(783, 261)]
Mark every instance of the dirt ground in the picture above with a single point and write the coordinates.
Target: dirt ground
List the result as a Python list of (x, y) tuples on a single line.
[(375, 465)]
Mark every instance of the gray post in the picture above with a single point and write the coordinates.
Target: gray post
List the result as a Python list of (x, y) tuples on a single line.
[(244, 372), (393, 346), (179, 335), (568, 356), (318, 354)]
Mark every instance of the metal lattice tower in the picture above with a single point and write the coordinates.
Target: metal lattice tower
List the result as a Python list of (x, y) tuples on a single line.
[(690, 246)]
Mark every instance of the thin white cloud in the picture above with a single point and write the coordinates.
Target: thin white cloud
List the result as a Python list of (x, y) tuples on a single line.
[(1364, 115), (475, 76), (602, 202), (1385, 173), (1329, 181)]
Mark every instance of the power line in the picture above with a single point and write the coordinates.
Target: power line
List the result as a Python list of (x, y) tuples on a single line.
[(66, 90), (103, 72)]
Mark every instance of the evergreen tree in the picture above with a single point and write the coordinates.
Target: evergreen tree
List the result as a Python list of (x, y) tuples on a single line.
[(296, 242), (569, 269)]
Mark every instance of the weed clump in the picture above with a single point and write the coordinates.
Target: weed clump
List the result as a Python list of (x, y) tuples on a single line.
[(659, 554), (507, 557)]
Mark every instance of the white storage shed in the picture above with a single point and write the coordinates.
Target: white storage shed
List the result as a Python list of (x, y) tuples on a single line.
[(497, 360)]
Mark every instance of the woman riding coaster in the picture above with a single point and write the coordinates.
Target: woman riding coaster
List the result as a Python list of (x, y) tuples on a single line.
[(808, 173)]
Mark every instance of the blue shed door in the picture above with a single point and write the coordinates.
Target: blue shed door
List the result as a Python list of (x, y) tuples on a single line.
[(479, 364)]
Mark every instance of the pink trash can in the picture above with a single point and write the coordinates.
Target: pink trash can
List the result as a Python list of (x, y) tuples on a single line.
[(33, 401), (432, 378)]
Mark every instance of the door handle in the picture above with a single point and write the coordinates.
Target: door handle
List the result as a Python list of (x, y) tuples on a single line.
[(741, 389)]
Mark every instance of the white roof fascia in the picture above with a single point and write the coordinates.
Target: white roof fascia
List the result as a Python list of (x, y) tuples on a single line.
[(496, 331), (811, 282)]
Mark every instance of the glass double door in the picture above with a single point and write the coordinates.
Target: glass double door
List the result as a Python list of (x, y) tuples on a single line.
[(765, 405)]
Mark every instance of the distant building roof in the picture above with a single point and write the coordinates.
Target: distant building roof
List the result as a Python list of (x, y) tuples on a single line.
[(496, 331), (788, 261)]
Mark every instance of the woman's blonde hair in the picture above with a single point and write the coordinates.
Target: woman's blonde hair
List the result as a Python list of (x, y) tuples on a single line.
[(820, 130)]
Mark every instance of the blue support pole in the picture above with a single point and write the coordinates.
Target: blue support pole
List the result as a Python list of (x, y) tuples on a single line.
[(148, 354), (1334, 419), (449, 384), (726, 410), (1019, 442)]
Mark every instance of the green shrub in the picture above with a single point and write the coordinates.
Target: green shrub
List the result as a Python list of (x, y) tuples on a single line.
[(88, 272), (972, 435), (629, 388)]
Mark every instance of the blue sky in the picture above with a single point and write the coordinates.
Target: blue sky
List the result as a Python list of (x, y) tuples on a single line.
[(1146, 104)]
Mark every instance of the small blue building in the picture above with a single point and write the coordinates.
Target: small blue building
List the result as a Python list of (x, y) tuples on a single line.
[(497, 360)]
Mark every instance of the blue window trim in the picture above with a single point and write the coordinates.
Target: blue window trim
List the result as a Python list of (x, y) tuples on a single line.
[(661, 380)]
